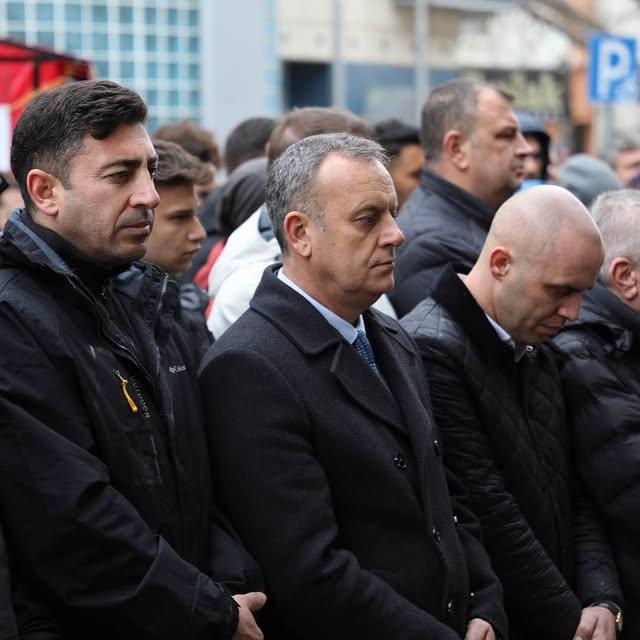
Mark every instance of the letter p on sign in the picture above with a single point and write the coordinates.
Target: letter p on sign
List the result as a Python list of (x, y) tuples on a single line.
[(613, 69)]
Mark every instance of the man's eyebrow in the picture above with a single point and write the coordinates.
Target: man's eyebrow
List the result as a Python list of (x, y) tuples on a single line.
[(129, 163)]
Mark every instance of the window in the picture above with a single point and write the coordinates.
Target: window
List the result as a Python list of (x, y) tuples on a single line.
[(100, 41), (15, 11), (173, 71), (194, 72), (152, 70), (46, 38), (126, 15), (127, 69), (194, 45), (152, 124), (73, 41), (126, 42), (172, 17), (172, 44), (152, 98), (100, 13), (150, 43), (102, 68), (44, 12), (150, 15), (17, 35), (174, 98), (194, 98), (73, 12), (193, 17)]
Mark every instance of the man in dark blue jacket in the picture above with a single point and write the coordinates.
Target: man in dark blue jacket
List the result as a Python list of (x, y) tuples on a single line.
[(105, 493)]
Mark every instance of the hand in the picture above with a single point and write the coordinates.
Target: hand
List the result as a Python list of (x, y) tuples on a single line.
[(479, 629), (596, 623), (249, 604)]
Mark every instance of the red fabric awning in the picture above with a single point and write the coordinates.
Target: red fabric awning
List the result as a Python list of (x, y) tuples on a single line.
[(25, 70)]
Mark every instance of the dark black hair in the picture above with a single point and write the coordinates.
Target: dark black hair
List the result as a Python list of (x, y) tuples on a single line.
[(54, 125), (394, 134), (246, 141)]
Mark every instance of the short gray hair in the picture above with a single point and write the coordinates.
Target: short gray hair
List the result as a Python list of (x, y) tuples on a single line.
[(617, 215), (291, 185)]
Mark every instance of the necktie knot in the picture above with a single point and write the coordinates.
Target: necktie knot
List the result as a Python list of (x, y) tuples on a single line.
[(363, 347)]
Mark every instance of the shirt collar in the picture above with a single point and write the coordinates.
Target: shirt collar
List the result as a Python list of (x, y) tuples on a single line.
[(344, 328), (518, 350)]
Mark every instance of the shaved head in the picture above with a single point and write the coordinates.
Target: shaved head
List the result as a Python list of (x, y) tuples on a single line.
[(533, 222), (542, 252)]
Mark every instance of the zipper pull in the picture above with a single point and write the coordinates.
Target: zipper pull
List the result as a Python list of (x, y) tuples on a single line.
[(123, 383)]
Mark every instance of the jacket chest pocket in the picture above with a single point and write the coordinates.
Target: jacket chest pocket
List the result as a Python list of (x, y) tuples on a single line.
[(140, 429)]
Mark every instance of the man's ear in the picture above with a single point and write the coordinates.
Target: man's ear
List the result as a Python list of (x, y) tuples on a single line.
[(455, 147), (296, 232), (499, 262), (623, 276), (44, 189)]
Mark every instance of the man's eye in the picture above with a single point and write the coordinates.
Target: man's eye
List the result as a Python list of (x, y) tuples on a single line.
[(119, 175)]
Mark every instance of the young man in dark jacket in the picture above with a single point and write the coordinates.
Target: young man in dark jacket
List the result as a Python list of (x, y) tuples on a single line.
[(475, 157), (105, 494), (177, 233), (601, 376), (497, 398)]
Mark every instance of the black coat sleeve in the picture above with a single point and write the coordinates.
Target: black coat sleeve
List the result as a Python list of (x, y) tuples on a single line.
[(77, 538), (276, 493), (8, 627), (533, 583)]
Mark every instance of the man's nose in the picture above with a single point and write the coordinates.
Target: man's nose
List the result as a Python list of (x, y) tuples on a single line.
[(145, 194), (197, 232), (392, 234), (523, 148), (570, 308)]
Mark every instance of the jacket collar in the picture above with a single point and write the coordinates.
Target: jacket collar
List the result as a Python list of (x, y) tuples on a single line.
[(605, 313), (460, 199), (451, 293)]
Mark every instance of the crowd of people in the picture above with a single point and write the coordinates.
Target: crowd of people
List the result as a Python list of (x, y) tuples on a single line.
[(379, 383)]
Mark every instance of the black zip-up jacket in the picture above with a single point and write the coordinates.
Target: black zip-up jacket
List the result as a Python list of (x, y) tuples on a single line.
[(601, 378), (442, 224), (506, 437), (105, 494)]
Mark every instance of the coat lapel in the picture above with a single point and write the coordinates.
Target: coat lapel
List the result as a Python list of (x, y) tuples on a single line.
[(396, 357), (365, 388)]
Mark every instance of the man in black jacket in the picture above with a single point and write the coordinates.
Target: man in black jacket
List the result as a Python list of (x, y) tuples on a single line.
[(475, 156), (105, 494), (601, 377), (497, 398), (323, 432)]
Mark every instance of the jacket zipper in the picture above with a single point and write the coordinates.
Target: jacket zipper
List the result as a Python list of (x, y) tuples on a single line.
[(123, 384)]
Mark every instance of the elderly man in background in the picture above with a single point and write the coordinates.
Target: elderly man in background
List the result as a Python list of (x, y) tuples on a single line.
[(601, 377)]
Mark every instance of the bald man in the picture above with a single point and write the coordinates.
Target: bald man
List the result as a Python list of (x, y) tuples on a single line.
[(497, 400)]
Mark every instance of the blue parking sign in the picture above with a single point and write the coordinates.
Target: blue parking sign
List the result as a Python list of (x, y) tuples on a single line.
[(613, 69)]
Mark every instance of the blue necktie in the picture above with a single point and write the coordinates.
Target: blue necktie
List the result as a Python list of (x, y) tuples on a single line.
[(364, 350)]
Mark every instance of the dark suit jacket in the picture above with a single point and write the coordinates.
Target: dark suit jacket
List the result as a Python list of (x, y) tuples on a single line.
[(337, 488)]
